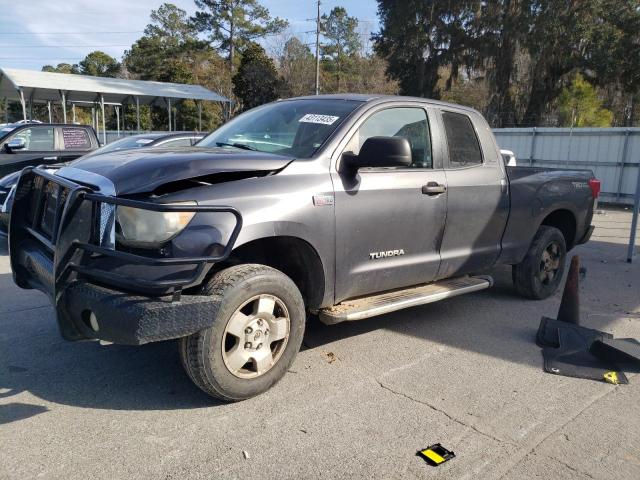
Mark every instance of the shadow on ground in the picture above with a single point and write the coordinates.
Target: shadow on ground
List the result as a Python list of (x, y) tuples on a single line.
[(495, 323)]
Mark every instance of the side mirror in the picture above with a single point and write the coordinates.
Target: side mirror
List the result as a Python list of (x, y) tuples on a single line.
[(15, 144), (380, 152)]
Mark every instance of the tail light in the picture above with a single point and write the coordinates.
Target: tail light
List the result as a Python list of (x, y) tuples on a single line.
[(594, 185)]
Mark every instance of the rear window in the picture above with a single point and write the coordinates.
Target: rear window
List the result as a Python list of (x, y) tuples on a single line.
[(76, 139), (464, 149)]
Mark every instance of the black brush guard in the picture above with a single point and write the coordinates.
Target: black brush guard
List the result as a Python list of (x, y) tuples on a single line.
[(57, 256)]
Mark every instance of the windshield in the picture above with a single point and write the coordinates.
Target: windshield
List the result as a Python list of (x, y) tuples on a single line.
[(126, 143), (295, 128)]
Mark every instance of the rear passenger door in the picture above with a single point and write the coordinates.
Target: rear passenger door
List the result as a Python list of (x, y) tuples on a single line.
[(478, 202), (73, 142)]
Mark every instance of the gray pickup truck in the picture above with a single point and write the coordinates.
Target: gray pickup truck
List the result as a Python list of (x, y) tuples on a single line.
[(344, 206)]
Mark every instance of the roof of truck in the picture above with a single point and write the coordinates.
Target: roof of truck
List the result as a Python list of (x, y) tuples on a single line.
[(379, 98)]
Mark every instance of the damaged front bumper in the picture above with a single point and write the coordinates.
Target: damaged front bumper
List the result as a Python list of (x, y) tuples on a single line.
[(62, 243)]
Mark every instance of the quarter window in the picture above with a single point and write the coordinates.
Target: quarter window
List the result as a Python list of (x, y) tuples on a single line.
[(76, 139), (464, 149), (410, 123)]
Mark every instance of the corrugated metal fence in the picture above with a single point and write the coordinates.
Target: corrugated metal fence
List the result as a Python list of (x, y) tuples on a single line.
[(612, 153)]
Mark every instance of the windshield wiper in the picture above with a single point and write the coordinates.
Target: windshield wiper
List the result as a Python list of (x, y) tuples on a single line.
[(237, 145)]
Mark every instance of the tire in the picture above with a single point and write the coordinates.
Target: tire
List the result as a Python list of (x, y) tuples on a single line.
[(259, 316), (540, 273)]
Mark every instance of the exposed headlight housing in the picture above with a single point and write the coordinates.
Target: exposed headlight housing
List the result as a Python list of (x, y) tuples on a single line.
[(136, 226)]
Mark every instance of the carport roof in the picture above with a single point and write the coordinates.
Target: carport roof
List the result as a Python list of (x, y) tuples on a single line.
[(48, 86)]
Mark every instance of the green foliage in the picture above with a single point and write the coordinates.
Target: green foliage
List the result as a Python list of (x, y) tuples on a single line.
[(257, 80), (99, 64), (166, 49), (61, 68), (341, 45), (419, 37), (524, 50), (232, 24), (170, 51), (579, 106), (297, 66)]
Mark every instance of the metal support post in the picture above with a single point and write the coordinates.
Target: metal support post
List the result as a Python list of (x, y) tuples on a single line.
[(533, 146), (168, 100), (104, 126), (24, 107), (118, 119), (634, 220), (138, 114), (63, 96), (625, 149)]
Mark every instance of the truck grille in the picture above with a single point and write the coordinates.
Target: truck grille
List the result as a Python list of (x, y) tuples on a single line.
[(47, 201)]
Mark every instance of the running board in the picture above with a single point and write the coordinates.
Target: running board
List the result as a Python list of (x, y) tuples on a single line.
[(365, 307)]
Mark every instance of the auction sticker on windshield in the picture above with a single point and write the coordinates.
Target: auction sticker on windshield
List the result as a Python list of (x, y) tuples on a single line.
[(321, 119)]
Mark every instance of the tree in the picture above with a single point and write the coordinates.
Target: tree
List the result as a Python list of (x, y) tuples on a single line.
[(500, 29), (341, 42), (579, 106), (297, 67), (256, 81), (99, 64), (167, 47), (169, 51), (233, 23), (61, 68), (418, 37)]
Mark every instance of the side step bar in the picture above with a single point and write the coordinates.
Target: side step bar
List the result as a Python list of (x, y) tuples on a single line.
[(365, 307)]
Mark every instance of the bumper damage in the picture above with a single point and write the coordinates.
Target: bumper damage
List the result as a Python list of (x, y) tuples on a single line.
[(60, 244), (98, 312)]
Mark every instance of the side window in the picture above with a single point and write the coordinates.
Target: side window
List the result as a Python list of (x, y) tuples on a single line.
[(36, 139), (464, 149), (410, 123), (75, 139)]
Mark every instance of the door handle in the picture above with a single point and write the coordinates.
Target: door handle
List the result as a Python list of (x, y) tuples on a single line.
[(49, 158), (433, 188)]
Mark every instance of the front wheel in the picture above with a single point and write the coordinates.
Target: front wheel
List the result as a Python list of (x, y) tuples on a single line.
[(259, 320), (539, 274)]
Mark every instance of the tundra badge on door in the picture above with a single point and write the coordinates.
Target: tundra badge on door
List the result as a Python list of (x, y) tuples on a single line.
[(388, 253)]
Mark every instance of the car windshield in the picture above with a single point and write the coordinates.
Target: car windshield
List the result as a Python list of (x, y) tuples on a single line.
[(295, 128), (126, 143)]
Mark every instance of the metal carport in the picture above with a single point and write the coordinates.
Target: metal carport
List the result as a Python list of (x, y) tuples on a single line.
[(29, 87)]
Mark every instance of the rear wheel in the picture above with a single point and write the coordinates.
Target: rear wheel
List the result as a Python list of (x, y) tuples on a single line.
[(259, 320), (539, 274)]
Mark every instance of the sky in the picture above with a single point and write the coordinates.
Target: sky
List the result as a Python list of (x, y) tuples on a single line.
[(41, 32)]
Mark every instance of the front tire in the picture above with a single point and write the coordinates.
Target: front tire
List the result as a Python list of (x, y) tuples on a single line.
[(539, 274), (259, 320)]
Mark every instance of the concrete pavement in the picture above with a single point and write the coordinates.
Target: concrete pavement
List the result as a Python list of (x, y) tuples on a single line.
[(359, 401)]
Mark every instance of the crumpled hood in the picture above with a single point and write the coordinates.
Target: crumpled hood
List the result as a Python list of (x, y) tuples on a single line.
[(144, 170)]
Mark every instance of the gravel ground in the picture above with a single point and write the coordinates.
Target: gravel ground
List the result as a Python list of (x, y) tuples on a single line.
[(359, 401)]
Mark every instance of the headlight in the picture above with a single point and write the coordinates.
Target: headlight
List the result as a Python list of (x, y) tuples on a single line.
[(138, 226)]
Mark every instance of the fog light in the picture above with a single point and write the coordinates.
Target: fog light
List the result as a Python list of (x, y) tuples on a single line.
[(93, 321)]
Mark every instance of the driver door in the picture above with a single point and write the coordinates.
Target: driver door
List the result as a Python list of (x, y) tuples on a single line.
[(388, 227), (39, 146)]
